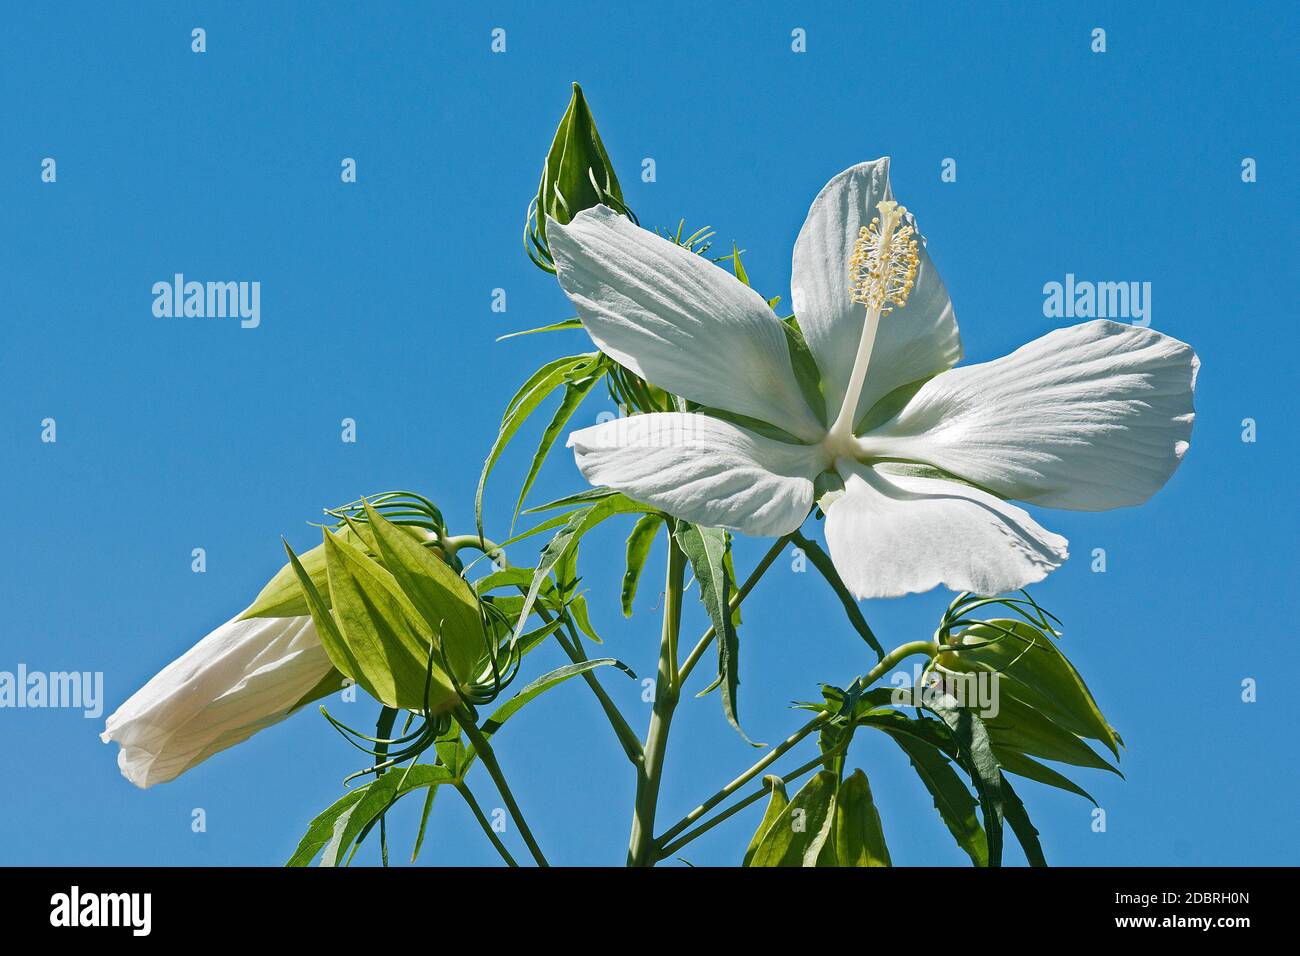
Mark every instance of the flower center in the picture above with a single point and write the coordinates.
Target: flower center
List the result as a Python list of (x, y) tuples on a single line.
[(882, 270)]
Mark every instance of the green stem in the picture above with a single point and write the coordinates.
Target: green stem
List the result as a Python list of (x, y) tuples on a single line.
[(667, 683), (735, 808), (483, 822), (887, 663), (741, 593), (774, 755), (455, 542), (486, 754)]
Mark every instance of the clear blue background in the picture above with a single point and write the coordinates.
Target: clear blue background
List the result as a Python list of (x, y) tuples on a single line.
[(183, 433)]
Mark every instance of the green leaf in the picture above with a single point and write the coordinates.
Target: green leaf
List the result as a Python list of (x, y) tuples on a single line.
[(706, 548), (859, 839), (544, 683), (463, 758), (798, 834), (574, 393), (1028, 767), (732, 584), (587, 497), (576, 524), (1025, 831), (975, 754), (385, 634), (933, 733), (451, 750), (639, 543), (335, 828), (1033, 669), (822, 562), (776, 804), (574, 323), (525, 401), (424, 823), (951, 797), (736, 266)]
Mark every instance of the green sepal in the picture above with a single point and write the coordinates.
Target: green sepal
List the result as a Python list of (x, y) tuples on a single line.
[(1033, 669), (283, 594), (331, 683), (858, 839), (1023, 729), (577, 175), (385, 634), (443, 599), (327, 629), (776, 804), (800, 831)]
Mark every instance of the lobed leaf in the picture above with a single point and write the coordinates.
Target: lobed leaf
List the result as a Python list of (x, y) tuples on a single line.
[(336, 828), (706, 549), (951, 797), (976, 757), (574, 394), (525, 401)]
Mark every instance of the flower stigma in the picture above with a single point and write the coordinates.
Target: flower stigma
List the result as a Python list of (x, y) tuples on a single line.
[(882, 268)]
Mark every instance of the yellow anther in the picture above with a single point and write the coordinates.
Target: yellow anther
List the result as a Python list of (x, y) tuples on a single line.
[(882, 268)]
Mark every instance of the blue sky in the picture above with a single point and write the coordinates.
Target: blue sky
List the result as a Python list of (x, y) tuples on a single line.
[(183, 433)]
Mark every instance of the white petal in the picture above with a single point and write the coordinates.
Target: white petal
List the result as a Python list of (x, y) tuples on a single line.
[(1090, 417), (242, 677), (703, 470), (912, 343), (891, 535), (678, 320)]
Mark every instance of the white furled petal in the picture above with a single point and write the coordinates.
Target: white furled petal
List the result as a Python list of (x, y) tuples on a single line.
[(913, 343), (891, 535), (1090, 417), (703, 470), (242, 677), (678, 320)]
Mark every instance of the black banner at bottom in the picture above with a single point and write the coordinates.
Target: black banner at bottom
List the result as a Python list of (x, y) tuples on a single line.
[(499, 905)]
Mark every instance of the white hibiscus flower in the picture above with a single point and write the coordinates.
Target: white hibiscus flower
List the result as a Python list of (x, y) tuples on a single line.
[(922, 458)]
